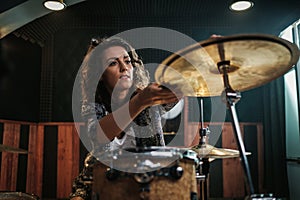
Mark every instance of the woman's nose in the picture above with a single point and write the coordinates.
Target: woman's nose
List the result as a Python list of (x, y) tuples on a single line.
[(123, 66)]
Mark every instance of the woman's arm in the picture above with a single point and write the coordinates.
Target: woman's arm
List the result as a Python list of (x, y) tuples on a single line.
[(114, 123)]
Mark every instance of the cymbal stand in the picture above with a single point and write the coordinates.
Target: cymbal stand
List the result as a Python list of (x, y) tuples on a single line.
[(205, 162), (231, 97)]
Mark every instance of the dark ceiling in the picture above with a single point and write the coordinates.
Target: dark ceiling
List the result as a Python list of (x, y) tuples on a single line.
[(7, 4), (267, 16)]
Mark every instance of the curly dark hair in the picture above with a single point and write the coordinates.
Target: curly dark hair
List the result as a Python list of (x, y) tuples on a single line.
[(92, 87)]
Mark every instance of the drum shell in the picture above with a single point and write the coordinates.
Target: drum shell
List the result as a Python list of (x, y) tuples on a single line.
[(160, 187)]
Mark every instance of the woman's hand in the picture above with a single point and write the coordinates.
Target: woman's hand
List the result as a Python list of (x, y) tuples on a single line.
[(114, 123), (156, 94)]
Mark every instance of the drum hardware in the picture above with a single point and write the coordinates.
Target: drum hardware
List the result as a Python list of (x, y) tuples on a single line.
[(176, 172), (191, 155), (227, 66), (261, 197), (204, 131), (144, 191), (143, 178), (204, 150), (202, 178), (111, 174), (5, 148), (173, 172), (232, 97)]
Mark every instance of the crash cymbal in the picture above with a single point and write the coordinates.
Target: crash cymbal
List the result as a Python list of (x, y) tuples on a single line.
[(254, 60), (4, 148), (208, 151)]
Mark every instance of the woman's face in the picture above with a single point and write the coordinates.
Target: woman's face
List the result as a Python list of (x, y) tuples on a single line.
[(118, 74)]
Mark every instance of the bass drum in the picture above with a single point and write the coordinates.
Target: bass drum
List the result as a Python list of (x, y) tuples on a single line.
[(163, 178), (17, 196)]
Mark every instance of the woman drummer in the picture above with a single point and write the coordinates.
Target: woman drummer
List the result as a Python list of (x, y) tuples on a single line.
[(123, 109)]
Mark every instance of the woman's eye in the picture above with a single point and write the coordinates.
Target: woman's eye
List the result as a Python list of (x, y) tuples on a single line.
[(113, 63), (128, 61)]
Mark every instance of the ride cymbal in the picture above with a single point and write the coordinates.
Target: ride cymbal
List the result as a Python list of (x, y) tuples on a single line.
[(253, 60)]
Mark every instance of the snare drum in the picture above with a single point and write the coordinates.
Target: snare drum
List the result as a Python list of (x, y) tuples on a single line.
[(148, 173)]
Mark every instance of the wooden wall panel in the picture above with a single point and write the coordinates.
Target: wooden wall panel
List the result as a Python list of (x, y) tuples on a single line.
[(68, 159), (35, 160), (9, 162), (261, 153), (68, 154), (68, 145), (191, 137), (233, 174)]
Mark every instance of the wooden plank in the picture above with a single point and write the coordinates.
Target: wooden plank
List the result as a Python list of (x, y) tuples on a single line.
[(191, 136), (191, 129), (35, 160), (62, 123), (261, 153), (63, 170), (233, 175), (68, 159), (5, 121), (9, 163), (75, 154)]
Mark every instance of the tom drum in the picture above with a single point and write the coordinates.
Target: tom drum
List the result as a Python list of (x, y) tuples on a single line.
[(149, 173)]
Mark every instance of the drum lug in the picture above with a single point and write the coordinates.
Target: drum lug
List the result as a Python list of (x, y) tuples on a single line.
[(144, 191), (143, 178), (176, 172), (111, 174)]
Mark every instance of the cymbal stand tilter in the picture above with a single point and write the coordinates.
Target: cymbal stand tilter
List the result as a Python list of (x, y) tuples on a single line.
[(203, 172), (231, 97)]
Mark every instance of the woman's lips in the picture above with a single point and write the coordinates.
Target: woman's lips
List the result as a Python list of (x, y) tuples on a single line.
[(124, 77)]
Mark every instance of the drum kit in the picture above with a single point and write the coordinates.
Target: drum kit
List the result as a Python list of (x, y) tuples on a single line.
[(222, 66)]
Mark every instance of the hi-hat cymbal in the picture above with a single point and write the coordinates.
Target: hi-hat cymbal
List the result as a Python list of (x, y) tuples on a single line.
[(4, 148), (254, 60), (208, 151)]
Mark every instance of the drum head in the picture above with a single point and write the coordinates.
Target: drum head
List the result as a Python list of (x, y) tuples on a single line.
[(141, 160)]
